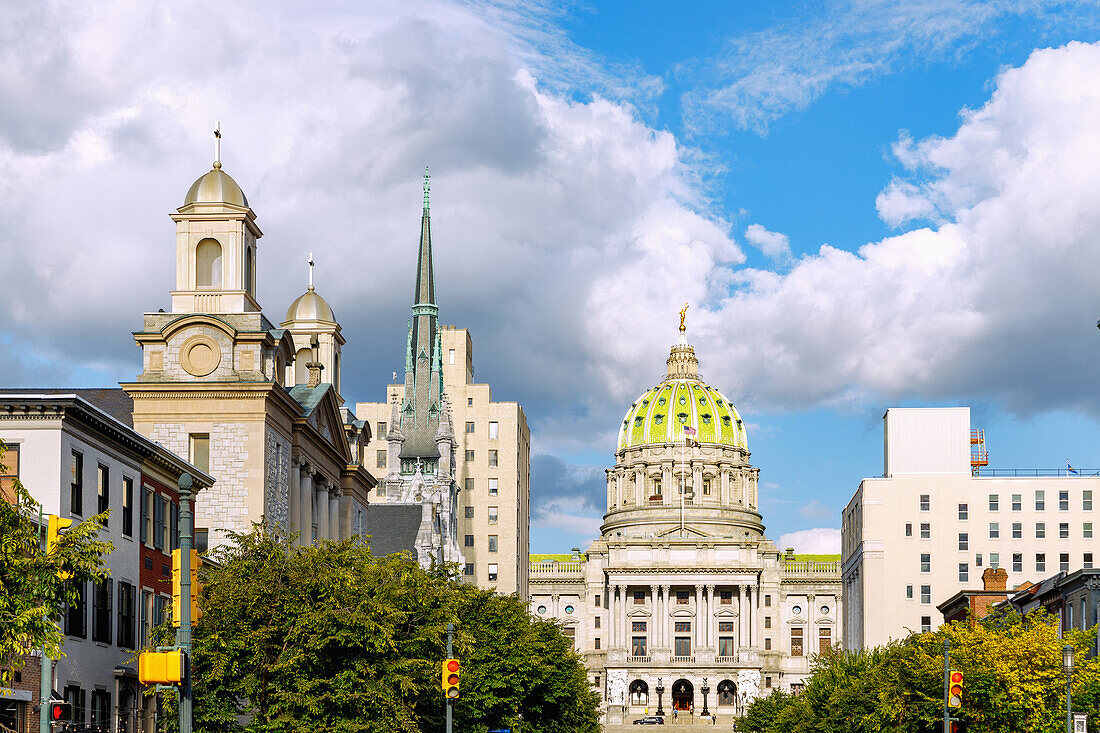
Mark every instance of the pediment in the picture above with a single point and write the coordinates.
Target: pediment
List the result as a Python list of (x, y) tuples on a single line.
[(726, 612), (683, 613), (639, 613), (687, 532)]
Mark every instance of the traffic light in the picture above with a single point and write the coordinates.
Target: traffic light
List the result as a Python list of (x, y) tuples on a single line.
[(449, 681), (162, 668), (61, 712), (955, 691), (957, 726), (196, 563), (56, 526)]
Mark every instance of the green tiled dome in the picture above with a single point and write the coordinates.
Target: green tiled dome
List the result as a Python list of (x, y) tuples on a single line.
[(659, 414)]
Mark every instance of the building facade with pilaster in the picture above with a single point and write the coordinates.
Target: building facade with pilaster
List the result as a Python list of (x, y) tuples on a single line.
[(683, 604)]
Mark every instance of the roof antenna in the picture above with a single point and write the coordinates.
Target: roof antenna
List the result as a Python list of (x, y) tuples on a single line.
[(217, 145), (311, 272)]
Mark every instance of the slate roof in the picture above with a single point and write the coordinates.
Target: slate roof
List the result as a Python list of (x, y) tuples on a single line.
[(114, 401), (309, 397), (392, 528)]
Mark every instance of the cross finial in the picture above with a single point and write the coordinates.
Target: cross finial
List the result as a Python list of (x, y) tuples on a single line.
[(311, 272), (427, 186), (217, 145)]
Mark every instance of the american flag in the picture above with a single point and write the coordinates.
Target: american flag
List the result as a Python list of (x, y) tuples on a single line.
[(689, 431)]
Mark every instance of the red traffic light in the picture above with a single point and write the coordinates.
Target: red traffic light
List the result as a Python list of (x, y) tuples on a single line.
[(956, 677), (452, 665)]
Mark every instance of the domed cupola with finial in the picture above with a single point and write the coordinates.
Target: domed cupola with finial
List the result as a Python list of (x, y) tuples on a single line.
[(308, 316), (216, 236)]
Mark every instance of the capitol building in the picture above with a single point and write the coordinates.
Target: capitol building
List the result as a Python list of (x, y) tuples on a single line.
[(683, 604)]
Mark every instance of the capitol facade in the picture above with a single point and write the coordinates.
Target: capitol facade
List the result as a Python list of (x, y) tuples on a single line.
[(682, 606)]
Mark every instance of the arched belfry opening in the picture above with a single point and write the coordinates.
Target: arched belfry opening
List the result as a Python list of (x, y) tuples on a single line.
[(208, 264)]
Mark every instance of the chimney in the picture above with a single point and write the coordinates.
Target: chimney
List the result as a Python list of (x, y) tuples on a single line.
[(996, 580)]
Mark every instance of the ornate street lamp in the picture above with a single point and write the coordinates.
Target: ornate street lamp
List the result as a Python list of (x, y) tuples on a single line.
[(1067, 665), (705, 688), (660, 691)]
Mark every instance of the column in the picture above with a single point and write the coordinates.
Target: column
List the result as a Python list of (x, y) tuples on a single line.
[(812, 641), (322, 509), (743, 617), (666, 619), (754, 618), (334, 513), (696, 482), (622, 616), (667, 487), (655, 609), (725, 486), (305, 504), (698, 616), (712, 638), (293, 509)]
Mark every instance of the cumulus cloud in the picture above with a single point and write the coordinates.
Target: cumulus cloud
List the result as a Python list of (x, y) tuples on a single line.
[(566, 496), (819, 541), (775, 245)]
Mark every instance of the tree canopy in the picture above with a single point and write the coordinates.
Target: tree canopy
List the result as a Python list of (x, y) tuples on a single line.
[(1013, 682), (331, 638), (32, 594)]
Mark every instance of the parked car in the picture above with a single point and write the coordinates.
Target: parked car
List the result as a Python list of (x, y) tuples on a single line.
[(650, 720)]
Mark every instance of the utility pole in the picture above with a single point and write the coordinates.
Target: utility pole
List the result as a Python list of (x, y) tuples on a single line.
[(946, 684), (45, 687), (183, 636), (447, 702)]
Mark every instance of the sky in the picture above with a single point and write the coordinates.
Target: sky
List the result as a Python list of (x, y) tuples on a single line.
[(867, 204)]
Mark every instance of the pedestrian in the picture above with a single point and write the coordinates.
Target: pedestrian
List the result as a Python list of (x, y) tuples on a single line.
[(713, 719)]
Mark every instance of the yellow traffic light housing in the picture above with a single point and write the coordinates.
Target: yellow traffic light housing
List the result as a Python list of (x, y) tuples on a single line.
[(162, 668), (57, 525), (196, 587), (955, 691), (449, 679)]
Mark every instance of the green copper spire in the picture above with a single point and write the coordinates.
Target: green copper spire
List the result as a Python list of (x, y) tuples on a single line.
[(427, 186)]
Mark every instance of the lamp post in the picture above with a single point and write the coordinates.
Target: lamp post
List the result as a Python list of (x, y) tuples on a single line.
[(705, 688), (1067, 665), (660, 691), (183, 636)]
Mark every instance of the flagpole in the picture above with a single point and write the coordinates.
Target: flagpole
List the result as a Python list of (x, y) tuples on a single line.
[(683, 446)]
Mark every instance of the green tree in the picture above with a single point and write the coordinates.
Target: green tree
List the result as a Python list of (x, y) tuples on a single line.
[(32, 595), (330, 638)]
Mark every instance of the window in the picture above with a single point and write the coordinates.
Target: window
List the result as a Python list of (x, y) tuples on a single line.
[(926, 563), (925, 594), (597, 642), (767, 643), (767, 601), (1086, 530), (1086, 500), (994, 502), (908, 591), (1017, 530), (1063, 562), (1040, 501), (994, 560), (994, 530), (725, 646), (925, 502), (964, 573), (596, 622), (468, 512), (146, 611), (599, 599), (1063, 530), (706, 487), (768, 682), (380, 489), (469, 428), (796, 641), (492, 487), (493, 515), (380, 459), (493, 458), (174, 531), (127, 506), (908, 529), (492, 572), (76, 615), (200, 451), (101, 611), (469, 483), (964, 511), (104, 491), (1040, 562), (1040, 530), (468, 569), (683, 646), (10, 473), (638, 646), (127, 615), (571, 634), (978, 560), (964, 541), (469, 456), (469, 402), (1017, 562), (682, 627), (76, 486), (639, 598), (725, 598), (208, 264), (1017, 502), (638, 627), (158, 522), (824, 639), (925, 624), (75, 697), (767, 622), (469, 542), (494, 430), (450, 356), (1087, 565), (656, 487), (380, 431), (492, 543), (681, 598), (1063, 501), (925, 531)]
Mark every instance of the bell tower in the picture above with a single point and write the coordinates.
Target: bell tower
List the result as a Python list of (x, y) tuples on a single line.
[(216, 236)]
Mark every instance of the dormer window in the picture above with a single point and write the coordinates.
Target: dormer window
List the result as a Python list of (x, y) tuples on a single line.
[(726, 420), (658, 419), (683, 417), (706, 418), (661, 401)]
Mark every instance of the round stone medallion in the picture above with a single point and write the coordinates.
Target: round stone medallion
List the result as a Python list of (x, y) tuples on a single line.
[(200, 355)]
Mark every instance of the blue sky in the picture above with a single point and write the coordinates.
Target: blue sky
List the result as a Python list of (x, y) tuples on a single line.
[(867, 203)]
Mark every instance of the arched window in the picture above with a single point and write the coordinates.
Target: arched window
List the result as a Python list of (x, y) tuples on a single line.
[(208, 264), (249, 266), (639, 693), (727, 693), (301, 371), (336, 369)]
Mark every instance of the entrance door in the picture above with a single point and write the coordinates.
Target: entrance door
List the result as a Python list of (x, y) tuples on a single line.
[(683, 695)]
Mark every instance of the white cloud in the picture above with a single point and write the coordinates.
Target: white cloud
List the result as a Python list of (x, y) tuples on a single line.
[(818, 541), (816, 510), (774, 245), (570, 513)]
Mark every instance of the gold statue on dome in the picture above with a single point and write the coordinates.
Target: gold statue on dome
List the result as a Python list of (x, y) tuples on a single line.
[(683, 313)]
